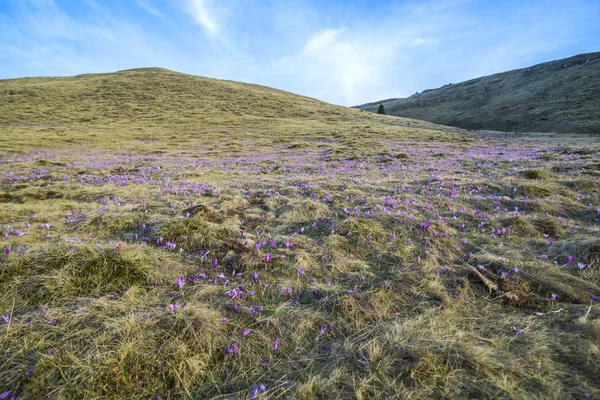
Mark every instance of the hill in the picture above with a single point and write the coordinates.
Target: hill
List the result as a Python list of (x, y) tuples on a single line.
[(558, 96), (146, 104), (177, 237)]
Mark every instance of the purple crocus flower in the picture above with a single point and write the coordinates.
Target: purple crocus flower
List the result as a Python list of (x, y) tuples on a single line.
[(275, 346), (553, 297), (233, 349), (6, 394), (258, 388), (173, 308), (255, 276), (569, 259), (30, 371), (181, 282), (245, 333), (267, 257), (517, 330), (301, 272), (7, 250), (6, 318), (321, 332)]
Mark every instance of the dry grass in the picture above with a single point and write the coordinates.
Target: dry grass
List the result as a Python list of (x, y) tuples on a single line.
[(405, 258)]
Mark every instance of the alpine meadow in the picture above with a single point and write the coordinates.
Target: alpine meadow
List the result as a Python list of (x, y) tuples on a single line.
[(191, 208), (176, 236)]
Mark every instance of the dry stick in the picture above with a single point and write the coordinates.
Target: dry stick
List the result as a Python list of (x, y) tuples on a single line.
[(490, 285), (588, 311), (12, 310)]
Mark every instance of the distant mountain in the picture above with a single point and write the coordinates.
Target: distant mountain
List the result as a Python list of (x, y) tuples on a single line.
[(557, 96)]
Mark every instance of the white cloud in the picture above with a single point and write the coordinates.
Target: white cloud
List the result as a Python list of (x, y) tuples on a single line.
[(202, 14), (143, 4), (338, 66), (421, 41)]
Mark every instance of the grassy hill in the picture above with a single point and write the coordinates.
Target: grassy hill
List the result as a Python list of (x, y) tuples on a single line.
[(558, 96), (129, 107), (177, 237)]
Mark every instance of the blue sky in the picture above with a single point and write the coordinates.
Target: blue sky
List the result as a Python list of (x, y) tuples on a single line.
[(344, 52)]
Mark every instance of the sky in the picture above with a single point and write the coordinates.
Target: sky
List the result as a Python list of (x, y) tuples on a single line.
[(341, 51)]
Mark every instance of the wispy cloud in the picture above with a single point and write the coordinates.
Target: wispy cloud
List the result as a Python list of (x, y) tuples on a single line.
[(202, 13), (148, 8), (46, 40)]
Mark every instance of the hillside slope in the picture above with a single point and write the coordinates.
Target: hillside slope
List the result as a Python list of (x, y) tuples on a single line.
[(558, 96), (128, 108)]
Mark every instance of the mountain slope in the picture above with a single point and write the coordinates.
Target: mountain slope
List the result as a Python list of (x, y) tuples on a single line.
[(557, 96), (121, 109)]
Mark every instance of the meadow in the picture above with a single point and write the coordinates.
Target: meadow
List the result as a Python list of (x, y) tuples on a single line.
[(174, 237)]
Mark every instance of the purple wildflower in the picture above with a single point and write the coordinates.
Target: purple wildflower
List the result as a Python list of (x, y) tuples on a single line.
[(7, 250), (245, 333), (258, 388), (6, 394), (181, 282), (275, 346), (30, 371), (301, 272), (233, 349), (6, 318), (517, 330), (553, 297), (323, 331), (267, 257), (173, 308)]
